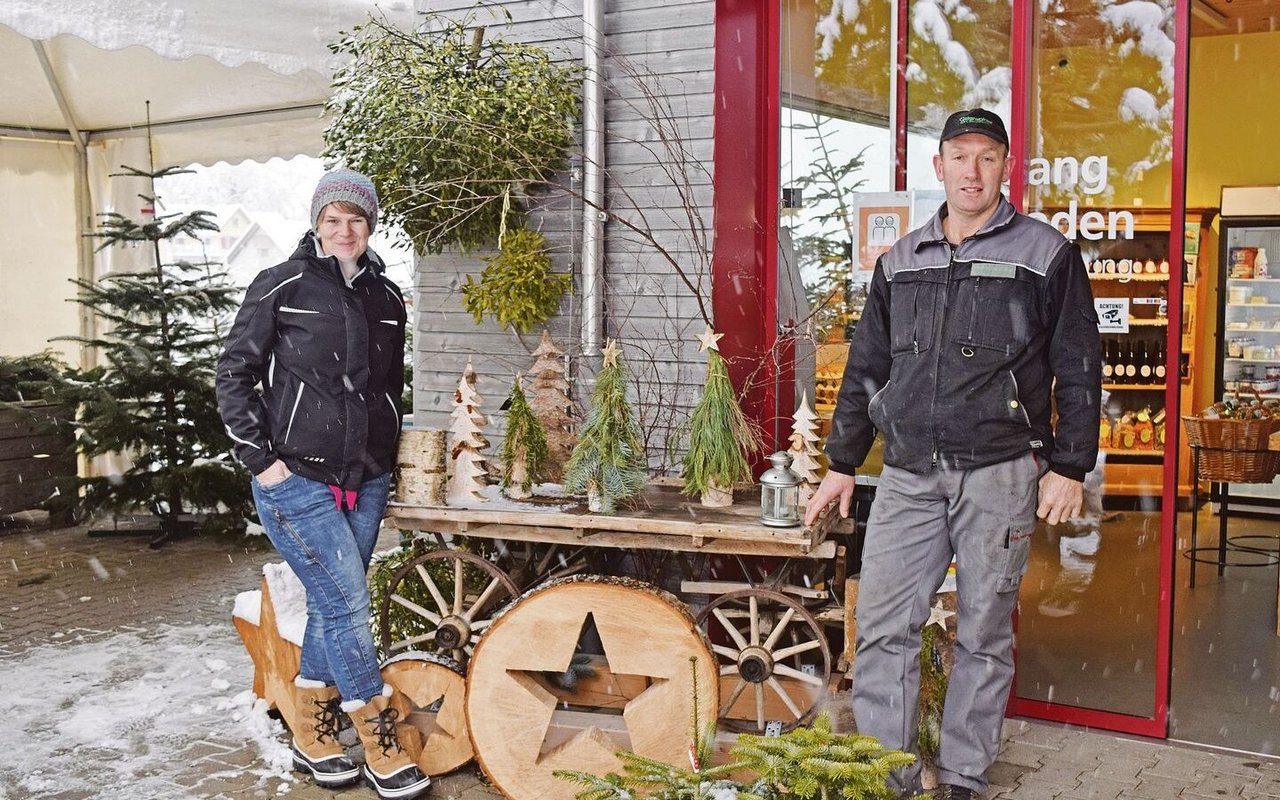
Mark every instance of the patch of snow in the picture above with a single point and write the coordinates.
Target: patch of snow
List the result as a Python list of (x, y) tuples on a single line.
[(248, 606), (288, 599), (127, 716)]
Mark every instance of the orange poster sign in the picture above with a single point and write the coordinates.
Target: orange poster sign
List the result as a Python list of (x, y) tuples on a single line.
[(878, 228)]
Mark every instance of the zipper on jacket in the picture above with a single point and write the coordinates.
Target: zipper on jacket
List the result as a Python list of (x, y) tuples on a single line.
[(294, 413), (938, 346)]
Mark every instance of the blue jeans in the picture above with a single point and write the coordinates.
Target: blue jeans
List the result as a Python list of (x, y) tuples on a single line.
[(329, 550)]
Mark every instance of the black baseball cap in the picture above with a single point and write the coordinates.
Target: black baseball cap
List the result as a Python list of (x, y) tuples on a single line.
[(974, 120)]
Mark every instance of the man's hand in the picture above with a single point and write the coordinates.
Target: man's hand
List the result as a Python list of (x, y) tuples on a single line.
[(276, 473), (1060, 498), (834, 484)]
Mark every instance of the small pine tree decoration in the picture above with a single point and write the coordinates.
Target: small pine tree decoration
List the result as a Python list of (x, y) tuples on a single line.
[(608, 462), (806, 458), (470, 472), (813, 762), (524, 451), (152, 396), (720, 435), (550, 401)]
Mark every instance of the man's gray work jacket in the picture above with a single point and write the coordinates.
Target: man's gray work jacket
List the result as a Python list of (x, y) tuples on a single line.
[(959, 350)]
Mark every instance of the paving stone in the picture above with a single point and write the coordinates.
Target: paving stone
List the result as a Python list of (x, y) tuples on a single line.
[(1120, 768), (1223, 784), (1153, 788), (1185, 765), (1005, 775), (1095, 788), (1024, 754), (1044, 735)]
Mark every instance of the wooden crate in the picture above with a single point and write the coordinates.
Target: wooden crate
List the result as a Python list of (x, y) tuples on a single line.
[(35, 453)]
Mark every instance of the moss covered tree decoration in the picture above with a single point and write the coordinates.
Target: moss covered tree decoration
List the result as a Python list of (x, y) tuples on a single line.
[(550, 401), (720, 435), (524, 450), (806, 458), (517, 287), (934, 636), (608, 462), (452, 123), (470, 473)]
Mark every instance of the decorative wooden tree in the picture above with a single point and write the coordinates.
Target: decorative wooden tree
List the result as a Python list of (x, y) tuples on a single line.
[(608, 462), (806, 458), (720, 435), (550, 401), (470, 467), (524, 450)]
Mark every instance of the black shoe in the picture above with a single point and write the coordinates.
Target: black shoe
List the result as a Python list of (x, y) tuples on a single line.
[(336, 770), (947, 791), (408, 782)]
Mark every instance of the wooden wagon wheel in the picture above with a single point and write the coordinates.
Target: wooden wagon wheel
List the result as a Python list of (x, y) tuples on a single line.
[(436, 687), (775, 648), (578, 669), (455, 624)]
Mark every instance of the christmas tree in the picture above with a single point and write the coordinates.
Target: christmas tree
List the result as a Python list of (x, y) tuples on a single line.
[(720, 435), (524, 451), (608, 462), (470, 472), (806, 458), (151, 395), (549, 399)]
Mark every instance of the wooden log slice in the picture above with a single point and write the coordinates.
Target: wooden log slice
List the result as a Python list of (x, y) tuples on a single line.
[(436, 687), (524, 725)]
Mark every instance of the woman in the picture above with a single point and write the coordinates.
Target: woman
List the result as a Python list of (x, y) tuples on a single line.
[(323, 333)]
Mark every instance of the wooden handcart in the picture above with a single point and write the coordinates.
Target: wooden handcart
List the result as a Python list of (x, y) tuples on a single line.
[(582, 634)]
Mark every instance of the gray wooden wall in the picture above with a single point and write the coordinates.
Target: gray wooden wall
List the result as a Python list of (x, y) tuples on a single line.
[(648, 309)]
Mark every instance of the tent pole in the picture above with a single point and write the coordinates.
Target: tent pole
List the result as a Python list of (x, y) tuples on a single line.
[(83, 205)]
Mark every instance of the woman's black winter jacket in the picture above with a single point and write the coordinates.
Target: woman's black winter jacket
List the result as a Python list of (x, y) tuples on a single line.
[(312, 370)]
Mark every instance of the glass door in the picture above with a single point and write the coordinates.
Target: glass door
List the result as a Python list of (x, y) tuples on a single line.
[(1102, 100)]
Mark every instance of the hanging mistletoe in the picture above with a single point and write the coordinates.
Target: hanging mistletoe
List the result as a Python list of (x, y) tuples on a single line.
[(449, 124)]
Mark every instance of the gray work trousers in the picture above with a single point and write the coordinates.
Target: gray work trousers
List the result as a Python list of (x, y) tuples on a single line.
[(984, 518)]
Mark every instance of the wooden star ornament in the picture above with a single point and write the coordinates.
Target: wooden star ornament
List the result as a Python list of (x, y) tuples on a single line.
[(938, 616), (611, 352), (709, 339)]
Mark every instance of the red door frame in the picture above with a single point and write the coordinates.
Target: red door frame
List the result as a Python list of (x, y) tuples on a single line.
[(744, 265)]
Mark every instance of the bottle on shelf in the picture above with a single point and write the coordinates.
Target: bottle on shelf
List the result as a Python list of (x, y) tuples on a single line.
[(1164, 266), (1144, 365), (1149, 266), (1130, 364), (1108, 362), (1158, 369)]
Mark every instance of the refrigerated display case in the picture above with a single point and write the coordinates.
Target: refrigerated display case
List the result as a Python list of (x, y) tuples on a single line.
[(1248, 327)]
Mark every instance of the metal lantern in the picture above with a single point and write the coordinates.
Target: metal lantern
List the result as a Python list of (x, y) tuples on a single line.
[(780, 493)]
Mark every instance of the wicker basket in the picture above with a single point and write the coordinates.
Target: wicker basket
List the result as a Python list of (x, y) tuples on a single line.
[(1234, 450)]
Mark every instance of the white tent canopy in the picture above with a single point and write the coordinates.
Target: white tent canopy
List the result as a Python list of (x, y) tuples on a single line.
[(227, 80)]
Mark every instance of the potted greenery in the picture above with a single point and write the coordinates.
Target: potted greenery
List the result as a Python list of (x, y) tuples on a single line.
[(35, 432)]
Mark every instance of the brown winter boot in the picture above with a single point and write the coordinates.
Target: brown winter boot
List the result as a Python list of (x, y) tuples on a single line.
[(315, 736), (389, 767)]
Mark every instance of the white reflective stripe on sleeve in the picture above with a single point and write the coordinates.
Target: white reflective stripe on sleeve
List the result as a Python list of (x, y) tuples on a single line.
[(294, 413), (271, 371), (394, 410), (241, 441), (390, 321), (298, 310), (281, 283)]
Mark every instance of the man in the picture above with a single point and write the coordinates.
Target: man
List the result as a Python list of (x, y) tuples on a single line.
[(972, 323)]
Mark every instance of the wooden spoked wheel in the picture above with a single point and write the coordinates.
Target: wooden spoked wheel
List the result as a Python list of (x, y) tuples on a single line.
[(772, 656), (436, 688), (453, 594), (578, 669)]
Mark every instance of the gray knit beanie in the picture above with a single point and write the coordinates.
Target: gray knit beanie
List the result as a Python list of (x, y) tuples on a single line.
[(350, 186)]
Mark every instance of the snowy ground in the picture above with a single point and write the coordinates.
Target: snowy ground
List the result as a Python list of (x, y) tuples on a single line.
[(125, 714)]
